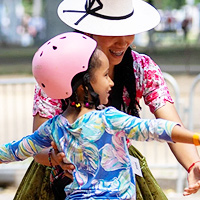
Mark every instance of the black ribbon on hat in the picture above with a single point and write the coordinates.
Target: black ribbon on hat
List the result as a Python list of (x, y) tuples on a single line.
[(93, 11)]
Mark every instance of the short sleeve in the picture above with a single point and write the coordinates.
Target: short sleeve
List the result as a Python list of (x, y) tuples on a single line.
[(44, 105), (150, 83)]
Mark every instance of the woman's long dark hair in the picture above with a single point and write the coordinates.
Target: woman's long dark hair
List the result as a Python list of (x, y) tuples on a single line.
[(124, 77)]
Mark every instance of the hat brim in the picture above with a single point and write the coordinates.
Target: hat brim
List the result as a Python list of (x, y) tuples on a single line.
[(144, 18)]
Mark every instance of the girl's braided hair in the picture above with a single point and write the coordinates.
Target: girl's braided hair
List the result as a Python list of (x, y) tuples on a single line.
[(83, 78), (123, 77)]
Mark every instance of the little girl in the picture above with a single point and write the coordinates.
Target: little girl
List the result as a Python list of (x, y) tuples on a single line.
[(70, 67)]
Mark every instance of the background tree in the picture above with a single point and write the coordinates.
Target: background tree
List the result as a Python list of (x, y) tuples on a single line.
[(169, 4)]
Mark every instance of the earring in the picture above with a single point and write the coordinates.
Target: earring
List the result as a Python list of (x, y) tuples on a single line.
[(133, 46)]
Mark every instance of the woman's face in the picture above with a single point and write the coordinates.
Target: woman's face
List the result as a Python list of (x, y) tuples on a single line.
[(114, 46)]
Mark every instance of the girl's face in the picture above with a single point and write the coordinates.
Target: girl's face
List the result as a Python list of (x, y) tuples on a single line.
[(114, 46), (101, 81)]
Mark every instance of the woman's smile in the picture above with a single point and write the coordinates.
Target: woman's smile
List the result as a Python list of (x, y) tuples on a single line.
[(117, 53), (114, 46)]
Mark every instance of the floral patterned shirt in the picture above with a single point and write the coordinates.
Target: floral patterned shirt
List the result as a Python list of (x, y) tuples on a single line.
[(150, 85), (96, 144)]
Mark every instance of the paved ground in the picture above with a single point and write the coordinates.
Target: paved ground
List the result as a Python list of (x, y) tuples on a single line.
[(174, 196), (8, 194)]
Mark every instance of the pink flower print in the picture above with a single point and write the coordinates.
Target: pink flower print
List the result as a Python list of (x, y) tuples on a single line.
[(145, 62), (114, 156), (152, 96), (126, 98)]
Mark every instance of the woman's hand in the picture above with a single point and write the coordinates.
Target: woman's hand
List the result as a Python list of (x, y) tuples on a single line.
[(58, 158), (193, 180)]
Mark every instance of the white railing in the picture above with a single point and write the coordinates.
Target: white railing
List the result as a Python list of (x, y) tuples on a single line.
[(192, 102), (16, 100)]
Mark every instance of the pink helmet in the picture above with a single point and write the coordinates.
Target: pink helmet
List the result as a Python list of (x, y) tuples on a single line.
[(58, 60)]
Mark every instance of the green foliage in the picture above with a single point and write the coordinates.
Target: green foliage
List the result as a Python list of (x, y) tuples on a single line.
[(197, 1), (169, 4), (28, 6)]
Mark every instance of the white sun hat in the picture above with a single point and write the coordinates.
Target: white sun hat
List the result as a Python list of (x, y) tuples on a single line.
[(109, 17)]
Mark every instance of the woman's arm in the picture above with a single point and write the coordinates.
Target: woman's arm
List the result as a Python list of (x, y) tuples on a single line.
[(38, 121), (42, 157), (186, 154), (151, 85)]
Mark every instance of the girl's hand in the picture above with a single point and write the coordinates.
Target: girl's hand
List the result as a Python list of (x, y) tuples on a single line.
[(58, 158), (193, 180)]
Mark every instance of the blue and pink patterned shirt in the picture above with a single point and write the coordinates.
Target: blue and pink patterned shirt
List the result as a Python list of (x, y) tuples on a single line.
[(96, 144)]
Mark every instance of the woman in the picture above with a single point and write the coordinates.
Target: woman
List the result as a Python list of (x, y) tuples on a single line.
[(113, 24), (93, 140)]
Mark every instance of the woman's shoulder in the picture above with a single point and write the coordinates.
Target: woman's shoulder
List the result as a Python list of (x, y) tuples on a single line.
[(138, 56), (44, 105), (142, 60)]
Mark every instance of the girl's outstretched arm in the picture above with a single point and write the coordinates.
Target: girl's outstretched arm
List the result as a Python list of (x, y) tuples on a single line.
[(183, 135), (28, 146)]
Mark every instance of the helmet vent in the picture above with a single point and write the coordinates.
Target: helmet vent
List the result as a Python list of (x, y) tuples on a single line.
[(63, 37), (43, 85), (54, 47), (84, 37), (41, 54)]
